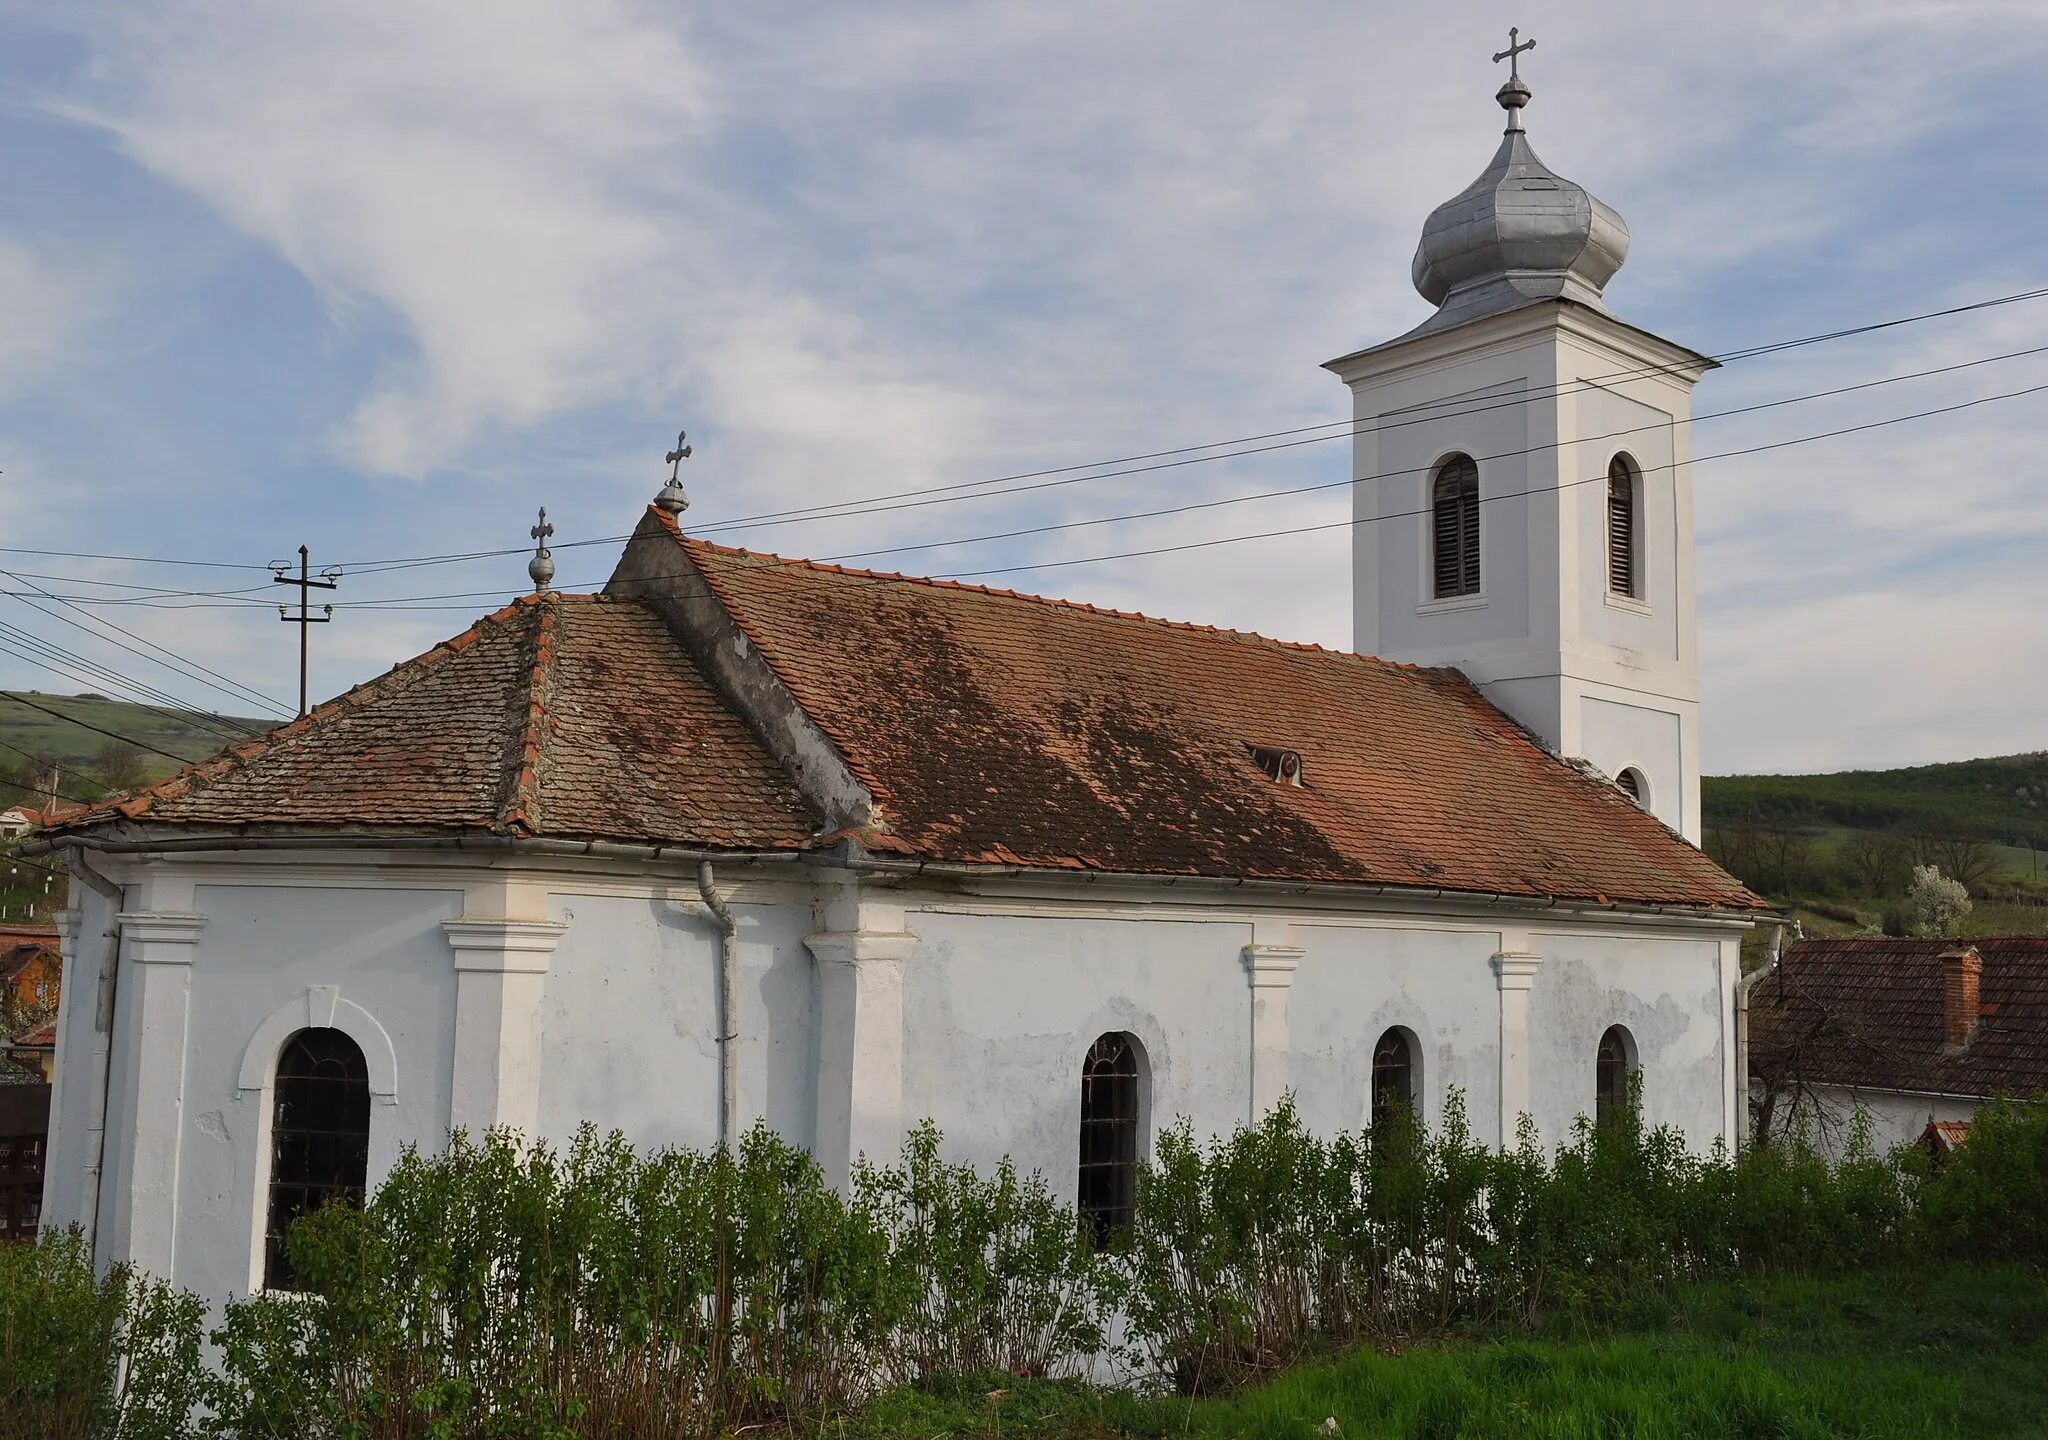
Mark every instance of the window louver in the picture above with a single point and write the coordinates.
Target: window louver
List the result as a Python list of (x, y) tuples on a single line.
[(1455, 513), (1621, 529)]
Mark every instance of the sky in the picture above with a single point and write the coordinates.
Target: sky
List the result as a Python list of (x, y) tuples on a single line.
[(383, 277)]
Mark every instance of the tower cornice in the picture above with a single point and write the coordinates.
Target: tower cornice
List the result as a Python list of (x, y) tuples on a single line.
[(1632, 345)]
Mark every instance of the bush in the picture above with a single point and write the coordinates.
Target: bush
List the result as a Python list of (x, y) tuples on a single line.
[(502, 1289), (83, 1357), (1935, 904)]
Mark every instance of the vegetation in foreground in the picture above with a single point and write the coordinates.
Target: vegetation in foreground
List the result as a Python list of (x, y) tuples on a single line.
[(505, 1290), (1933, 1351)]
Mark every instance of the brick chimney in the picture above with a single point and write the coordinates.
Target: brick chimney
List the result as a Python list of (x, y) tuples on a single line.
[(1961, 972)]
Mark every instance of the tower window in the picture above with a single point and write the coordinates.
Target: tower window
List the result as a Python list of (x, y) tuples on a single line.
[(1611, 1070), (1454, 527), (1393, 1076), (1624, 563), (1109, 1134), (319, 1137)]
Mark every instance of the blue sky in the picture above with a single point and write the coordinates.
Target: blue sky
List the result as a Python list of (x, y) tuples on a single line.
[(382, 278)]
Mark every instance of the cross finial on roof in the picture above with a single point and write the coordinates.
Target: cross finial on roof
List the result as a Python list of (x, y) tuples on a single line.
[(672, 498), (1513, 54), (1515, 94), (541, 568)]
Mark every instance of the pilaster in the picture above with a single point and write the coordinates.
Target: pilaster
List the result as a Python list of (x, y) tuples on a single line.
[(160, 947), (1514, 973), (1269, 963), (501, 971), (860, 1045)]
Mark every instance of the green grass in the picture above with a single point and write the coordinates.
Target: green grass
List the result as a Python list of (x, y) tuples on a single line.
[(1941, 1352)]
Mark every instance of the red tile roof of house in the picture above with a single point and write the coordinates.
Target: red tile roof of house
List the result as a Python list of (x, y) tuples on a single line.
[(989, 728), (566, 716), (1868, 1011)]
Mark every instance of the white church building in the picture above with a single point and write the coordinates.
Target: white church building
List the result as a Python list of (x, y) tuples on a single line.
[(750, 838)]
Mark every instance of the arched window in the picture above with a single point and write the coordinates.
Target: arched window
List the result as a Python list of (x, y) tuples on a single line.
[(1393, 1076), (1624, 560), (319, 1136), (1630, 782), (1110, 1086), (1454, 515), (1611, 1071)]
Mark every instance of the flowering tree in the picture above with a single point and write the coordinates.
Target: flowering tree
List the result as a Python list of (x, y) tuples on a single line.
[(1935, 904)]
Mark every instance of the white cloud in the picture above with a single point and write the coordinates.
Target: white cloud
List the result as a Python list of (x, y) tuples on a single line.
[(887, 245)]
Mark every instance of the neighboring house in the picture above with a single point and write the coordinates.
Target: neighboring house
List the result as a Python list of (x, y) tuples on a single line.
[(753, 839), (18, 821), (1911, 1031), (31, 976)]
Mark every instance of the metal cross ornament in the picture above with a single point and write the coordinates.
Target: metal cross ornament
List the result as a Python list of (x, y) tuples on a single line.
[(1513, 54), (672, 499), (541, 568)]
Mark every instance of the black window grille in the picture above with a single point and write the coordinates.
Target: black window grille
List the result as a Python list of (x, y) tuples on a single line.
[(1109, 1135), (21, 1185), (1624, 574), (1611, 1097), (1454, 505), (319, 1137), (1393, 1077)]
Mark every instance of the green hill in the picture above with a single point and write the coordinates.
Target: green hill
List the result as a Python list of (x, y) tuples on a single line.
[(74, 731), (2002, 799)]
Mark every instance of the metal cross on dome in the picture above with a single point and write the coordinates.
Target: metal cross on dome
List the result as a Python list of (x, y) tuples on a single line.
[(677, 456), (1513, 54)]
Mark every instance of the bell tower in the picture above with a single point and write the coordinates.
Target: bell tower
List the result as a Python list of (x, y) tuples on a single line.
[(1523, 501)]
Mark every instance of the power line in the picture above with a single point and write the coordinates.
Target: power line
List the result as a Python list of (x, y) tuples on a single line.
[(837, 508)]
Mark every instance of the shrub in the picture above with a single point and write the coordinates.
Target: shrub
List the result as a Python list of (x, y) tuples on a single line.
[(1935, 904), (80, 1356)]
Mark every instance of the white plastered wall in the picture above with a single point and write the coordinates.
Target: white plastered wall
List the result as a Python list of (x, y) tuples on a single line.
[(1001, 993)]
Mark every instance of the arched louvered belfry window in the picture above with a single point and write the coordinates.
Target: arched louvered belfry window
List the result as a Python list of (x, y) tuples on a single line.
[(319, 1137), (1454, 527), (1630, 782), (1111, 1094), (1611, 1070), (1393, 1076), (1624, 550)]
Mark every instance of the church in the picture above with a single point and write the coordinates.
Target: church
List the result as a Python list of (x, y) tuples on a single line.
[(745, 839)]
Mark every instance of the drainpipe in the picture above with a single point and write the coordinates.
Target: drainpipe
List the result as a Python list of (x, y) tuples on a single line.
[(103, 1046), (1743, 987), (728, 1010)]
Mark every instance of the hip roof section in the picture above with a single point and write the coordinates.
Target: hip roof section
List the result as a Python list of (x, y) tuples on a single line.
[(568, 716)]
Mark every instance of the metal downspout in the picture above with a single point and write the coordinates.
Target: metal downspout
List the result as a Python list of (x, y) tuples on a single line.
[(728, 1010), (103, 1046), (1743, 987)]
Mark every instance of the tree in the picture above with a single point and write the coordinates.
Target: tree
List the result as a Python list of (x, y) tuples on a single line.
[(119, 766), (1874, 861), (1935, 904), (1959, 854)]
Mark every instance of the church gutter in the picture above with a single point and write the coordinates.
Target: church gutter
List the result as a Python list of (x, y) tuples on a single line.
[(1336, 889), (103, 1048), (463, 844)]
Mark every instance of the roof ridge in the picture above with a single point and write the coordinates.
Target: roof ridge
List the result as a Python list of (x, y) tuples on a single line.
[(521, 810), (1050, 601), (238, 755)]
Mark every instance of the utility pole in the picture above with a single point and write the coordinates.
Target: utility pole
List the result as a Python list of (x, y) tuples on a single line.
[(327, 581)]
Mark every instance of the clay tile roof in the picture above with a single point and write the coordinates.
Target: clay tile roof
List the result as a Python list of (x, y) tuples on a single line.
[(41, 1037), (1868, 1011), (1003, 728), (563, 716)]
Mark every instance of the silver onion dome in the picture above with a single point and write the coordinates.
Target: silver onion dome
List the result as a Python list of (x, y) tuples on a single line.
[(1518, 234)]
